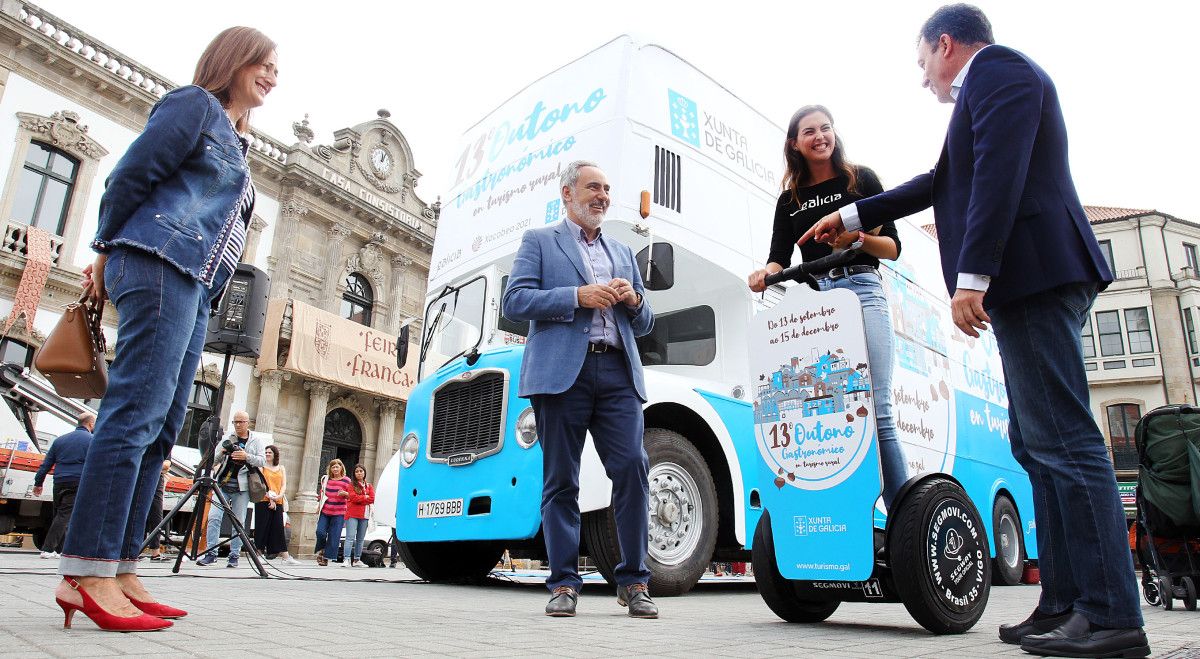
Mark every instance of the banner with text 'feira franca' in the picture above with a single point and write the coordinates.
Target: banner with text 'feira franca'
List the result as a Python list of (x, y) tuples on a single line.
[(506, 169), (341, 351), (814, 423)]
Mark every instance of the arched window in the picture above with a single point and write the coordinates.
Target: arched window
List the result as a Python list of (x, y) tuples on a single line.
[(16, 352), (358, 300), (44, 192), (198, 410), (342, 440)]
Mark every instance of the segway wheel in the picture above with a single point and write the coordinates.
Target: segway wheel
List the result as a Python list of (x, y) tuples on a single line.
[(1189, 593), (778, 592), (1151, 592), (940, 558)]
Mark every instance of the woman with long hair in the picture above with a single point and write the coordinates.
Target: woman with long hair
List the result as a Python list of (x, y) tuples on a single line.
[(172, 228), (335, 492), (819, 180), (361, 498), (268, 513)]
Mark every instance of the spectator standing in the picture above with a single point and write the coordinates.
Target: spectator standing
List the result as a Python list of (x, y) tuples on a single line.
[(358, 508), (66, 456)]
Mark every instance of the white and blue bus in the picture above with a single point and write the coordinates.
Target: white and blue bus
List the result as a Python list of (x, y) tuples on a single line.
[(469, 467)]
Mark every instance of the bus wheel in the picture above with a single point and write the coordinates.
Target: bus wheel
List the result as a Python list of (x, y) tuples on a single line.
[(940, 561), (1009, 564), (683, 518), (776, 591), (450, 561)]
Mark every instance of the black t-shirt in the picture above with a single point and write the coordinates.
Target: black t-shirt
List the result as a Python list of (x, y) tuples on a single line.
[(816, 201)]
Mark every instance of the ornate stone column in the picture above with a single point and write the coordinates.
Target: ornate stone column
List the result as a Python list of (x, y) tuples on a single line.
[(303, 508), (268, 398), (280, 263), (333, 267), (385, 445), (253, 236), (399, 263)]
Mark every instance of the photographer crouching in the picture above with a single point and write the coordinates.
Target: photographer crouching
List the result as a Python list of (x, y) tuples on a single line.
[(237, 452)]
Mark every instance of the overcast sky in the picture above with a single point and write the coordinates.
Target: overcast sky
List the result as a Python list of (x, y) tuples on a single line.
[(1125, 70)]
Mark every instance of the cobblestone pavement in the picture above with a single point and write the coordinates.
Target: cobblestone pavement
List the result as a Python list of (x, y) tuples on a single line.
[(342, 612)]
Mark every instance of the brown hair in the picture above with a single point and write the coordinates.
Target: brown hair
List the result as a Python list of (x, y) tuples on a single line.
[(359, 486), (228, 53), (798, 172), (274, 453), (329, 468)]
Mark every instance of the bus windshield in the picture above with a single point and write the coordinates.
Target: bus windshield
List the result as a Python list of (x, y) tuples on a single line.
[(453, 324)]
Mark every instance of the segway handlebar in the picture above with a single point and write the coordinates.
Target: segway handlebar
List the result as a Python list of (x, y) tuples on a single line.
[(809, 269)]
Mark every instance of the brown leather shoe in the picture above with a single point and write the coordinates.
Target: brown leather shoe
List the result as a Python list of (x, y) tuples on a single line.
[(562, 602), (637, 598)]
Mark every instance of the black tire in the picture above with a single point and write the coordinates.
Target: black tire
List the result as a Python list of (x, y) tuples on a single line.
[(1009, 564), (684, 519), (1151, 592), (460, 562), (778, 592), (1189, 593), (1168, 592), (375, 554), (938, 511)]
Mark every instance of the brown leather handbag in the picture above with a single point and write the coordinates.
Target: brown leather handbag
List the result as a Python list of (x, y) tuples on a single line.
[(72, 357)]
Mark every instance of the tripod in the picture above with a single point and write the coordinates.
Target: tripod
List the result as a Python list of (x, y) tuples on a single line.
[(204, 484)]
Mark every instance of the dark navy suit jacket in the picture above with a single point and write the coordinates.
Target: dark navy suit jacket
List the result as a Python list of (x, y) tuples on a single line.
[(1002, 195)]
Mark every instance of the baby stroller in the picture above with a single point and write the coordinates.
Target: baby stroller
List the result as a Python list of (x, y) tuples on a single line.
[(1167, 527)]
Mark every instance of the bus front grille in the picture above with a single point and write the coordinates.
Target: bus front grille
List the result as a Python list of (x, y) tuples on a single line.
[(468, 416)]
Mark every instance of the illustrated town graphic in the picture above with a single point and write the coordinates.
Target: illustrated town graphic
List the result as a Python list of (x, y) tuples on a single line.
[(826, 384)]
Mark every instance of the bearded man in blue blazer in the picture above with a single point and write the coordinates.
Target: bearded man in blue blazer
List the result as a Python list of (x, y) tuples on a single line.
[(582, 293), (1017, 252)]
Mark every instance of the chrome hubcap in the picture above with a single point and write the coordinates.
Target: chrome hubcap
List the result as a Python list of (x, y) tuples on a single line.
[(676, 514)]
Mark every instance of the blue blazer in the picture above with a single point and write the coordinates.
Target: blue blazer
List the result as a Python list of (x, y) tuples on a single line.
[(546, 274), (1002, 195)]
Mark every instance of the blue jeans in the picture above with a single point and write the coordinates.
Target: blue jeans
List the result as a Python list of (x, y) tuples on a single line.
[(237, 501), (877, 322), (1083, 552), (329, 533), (163, 315), (356, 531), (603, 400)]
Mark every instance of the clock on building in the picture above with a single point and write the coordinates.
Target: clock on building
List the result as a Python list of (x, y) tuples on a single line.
[(381, 161)]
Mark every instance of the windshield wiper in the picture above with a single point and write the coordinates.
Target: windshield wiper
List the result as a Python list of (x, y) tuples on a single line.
[(429, 335)]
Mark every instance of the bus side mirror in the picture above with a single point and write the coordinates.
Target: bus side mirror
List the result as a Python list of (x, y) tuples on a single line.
[(656, 263), (402, 346)]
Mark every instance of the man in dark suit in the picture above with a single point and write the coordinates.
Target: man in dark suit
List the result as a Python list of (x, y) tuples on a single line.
[(65, 456), (582, 293), (1017, 252)]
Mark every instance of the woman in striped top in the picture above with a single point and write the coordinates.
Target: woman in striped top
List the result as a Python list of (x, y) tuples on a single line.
[(335, 491), (171, 226)]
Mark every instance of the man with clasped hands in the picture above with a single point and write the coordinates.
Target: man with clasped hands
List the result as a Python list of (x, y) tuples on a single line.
[(582, 293)]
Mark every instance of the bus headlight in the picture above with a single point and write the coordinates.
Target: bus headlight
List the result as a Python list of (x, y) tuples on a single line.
[(527, 429), (408, 449)]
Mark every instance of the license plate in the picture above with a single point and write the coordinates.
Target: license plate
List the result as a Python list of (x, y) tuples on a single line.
[(439, 508)]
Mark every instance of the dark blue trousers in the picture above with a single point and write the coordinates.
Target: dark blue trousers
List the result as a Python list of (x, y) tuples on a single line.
[(1083, 553), (604, 401)]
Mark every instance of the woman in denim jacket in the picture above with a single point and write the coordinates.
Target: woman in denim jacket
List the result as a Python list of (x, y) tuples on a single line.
[(172, 227)]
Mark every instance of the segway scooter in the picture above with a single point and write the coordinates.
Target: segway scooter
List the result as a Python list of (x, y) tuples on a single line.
[(818, 542)]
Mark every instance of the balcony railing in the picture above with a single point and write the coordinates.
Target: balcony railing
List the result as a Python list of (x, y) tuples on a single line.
[(1130, 273), (14, 242)]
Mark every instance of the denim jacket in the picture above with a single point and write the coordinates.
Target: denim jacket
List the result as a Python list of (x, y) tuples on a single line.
[(176, 190)]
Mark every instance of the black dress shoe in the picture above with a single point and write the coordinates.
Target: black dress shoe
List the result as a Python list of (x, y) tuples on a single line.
[(562, 603), (1036, 623), (637, 598), (1079, 638)]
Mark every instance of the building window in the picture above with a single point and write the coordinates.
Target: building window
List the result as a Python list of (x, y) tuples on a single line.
[(1106, 248), (1189, 254), (1137, 324), (1109, 325), (358, 300), (1191, 329), (1122, 421), (44, 193), (13, 351), (200, 407), (1088, 338)]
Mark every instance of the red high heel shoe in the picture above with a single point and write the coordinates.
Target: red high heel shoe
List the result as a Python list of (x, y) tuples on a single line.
[(158, 610), (105, 620)]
